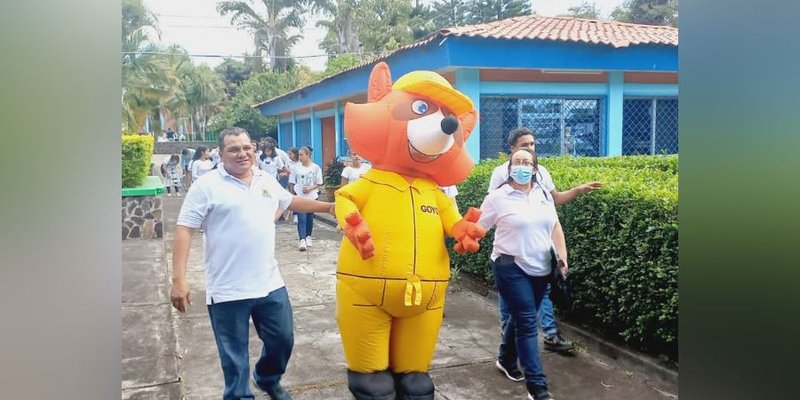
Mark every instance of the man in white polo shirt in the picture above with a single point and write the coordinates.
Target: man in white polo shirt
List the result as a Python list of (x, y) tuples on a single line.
[(236, 207), (553, 341)]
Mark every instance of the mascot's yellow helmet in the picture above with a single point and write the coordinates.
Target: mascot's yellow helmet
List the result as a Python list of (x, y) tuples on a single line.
[(432, 85)]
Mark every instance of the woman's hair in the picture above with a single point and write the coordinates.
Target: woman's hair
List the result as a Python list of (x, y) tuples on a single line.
[(306, 149), (175, 158), (269, 146), (199, 152), (293, 151)]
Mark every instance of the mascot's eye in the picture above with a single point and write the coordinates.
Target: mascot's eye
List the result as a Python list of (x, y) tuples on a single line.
[(419, 107)]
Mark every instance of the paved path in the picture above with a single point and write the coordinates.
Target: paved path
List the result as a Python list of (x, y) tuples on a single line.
[(167, 355)]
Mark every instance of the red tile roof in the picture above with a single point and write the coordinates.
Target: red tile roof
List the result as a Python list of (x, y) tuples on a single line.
[(537, 27), (569, 29)]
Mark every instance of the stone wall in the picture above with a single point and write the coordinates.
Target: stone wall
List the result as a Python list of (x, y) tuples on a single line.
[(176, 147), (141, 217)]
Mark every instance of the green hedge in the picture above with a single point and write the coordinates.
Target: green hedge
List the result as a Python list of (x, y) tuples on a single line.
[(622, 240), (137, 151)]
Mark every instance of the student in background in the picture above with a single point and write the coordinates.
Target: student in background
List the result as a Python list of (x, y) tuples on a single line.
[(294, 159), (173, 175), (306, 178), (269, 161), (201, 163), (354, 170)]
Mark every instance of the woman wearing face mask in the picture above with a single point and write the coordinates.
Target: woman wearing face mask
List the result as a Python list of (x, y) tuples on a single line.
[(525, 219)]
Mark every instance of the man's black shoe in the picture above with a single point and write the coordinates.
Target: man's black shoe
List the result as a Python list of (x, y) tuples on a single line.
[(512, 373), (557, 343), (538, 392), (278, 393)]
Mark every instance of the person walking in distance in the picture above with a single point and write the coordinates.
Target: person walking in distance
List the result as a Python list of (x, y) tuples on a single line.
[(306, 178)]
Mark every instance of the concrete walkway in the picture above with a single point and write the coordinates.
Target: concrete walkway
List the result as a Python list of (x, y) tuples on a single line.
[(167, 355)]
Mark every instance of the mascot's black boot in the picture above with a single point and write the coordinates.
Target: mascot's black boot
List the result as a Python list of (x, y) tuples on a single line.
[(414, 386), (374, 386)]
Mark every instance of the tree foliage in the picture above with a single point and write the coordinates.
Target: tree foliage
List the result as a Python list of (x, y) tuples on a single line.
[(338, 64), (383, 25), (341, 25), (256, 89), (448, 13), (158, 83), (145, 78), (586, 10), (233, 72), (137, 150), (483, 11), (648, 12), (270, 22)]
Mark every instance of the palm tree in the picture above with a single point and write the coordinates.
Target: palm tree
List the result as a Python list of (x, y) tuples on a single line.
[(204, 93), (196, 94), (341, 25), (145, 78), (269, 21)]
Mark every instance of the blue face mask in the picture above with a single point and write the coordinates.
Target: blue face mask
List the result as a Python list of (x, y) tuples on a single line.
[(521, 174)]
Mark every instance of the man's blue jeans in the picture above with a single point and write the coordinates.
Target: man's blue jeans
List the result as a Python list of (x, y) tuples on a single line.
[(507, 354), (523, 295), (272, 318), (305, 224)]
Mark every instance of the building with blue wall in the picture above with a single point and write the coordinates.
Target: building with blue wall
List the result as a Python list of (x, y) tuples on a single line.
[(586, 87)]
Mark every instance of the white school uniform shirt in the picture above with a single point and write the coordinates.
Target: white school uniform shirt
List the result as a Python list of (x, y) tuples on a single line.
[(303, 177), (238, 224), (214, 156), (270, 164), (291, 165), (450, 191), (351, 173), (500, 175), (200, 167), (283, 155), (524, 227)]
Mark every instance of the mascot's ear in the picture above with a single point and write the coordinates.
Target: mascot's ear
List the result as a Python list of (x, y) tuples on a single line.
[(380, 82), (468, 122)]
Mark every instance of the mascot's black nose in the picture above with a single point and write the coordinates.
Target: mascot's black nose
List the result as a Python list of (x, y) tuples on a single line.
[(449, 125)]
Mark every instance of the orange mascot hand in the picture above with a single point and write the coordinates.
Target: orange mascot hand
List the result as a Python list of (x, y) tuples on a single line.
[(467, 232), (358, 233)]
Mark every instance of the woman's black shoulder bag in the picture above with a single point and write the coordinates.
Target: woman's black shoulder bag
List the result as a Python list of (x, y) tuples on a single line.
[(560, 292)]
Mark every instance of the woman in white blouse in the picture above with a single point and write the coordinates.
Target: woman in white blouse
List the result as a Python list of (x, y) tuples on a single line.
[(353, 171), (270, 162), (201, 163), (525, 219)]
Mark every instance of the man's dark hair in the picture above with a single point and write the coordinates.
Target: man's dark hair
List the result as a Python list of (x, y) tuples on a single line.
[(235, 131), (514, 135)]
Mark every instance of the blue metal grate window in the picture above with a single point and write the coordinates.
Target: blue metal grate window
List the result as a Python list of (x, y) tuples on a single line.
[(650, 126), (563, 125)]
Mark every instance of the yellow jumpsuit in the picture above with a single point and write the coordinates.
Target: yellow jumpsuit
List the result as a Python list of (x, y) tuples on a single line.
[(389, 307)]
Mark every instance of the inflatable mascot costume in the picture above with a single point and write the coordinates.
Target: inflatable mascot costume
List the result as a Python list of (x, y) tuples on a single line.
[(393, 268)]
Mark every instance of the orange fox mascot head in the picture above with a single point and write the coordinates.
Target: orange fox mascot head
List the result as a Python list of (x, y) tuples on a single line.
[(415, 127)]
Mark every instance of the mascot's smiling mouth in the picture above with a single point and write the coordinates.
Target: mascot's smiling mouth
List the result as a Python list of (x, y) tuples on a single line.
[(418, 156)]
